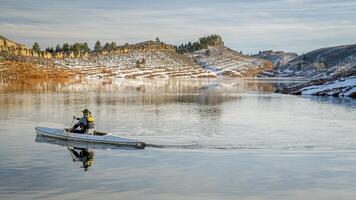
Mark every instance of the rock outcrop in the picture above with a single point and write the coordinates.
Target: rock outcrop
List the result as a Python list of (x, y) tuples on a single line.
[(9, 48)]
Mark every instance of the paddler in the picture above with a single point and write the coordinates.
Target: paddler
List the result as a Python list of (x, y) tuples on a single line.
[(86, 124)]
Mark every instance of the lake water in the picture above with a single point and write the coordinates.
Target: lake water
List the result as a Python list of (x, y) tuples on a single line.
[(208, 139)]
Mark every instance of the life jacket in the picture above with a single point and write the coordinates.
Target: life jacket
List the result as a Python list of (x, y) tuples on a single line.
[(90, 121)]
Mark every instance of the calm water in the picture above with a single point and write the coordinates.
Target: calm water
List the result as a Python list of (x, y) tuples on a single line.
[(218, 139)]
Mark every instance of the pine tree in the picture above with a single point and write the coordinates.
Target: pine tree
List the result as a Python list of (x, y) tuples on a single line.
[(77, 47), (113, 45), (50, 49), (85, 47), (107, 46), (36, 47), (66, 47), (58, 48), (97, 46)]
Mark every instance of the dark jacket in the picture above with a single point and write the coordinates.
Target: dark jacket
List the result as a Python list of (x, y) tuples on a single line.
[(82, 123)]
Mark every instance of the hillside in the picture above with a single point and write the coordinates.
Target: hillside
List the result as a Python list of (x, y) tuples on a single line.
[(332, 69), (212, 55), (146, 60), (278, 58), (206, 58), (225, 62), (322, 63), (143, 60)]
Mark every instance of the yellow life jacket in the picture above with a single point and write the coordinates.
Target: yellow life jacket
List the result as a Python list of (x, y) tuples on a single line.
[(90, 119)]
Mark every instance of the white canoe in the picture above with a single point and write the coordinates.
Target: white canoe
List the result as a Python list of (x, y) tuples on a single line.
[(101, 139)]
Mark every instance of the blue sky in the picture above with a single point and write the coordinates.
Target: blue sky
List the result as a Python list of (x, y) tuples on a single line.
[(246, 25)]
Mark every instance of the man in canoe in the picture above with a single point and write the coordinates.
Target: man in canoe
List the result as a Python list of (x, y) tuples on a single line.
[(86, 124)]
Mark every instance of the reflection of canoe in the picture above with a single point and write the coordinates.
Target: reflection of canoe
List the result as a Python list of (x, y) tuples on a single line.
[(97, 139)]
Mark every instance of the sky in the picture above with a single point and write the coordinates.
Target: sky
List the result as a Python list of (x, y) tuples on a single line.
[(245, 25)]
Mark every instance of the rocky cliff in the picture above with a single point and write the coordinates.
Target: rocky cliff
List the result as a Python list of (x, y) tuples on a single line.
[(11, 49)]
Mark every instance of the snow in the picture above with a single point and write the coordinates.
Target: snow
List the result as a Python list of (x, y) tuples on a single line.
[(334, 85), (348, 93), (223, 62), (157, 64)]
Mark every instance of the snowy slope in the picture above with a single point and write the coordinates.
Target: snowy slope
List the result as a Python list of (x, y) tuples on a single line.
[(343, 85), (136, 64), (278, 58), (322, 63), (225, 62)]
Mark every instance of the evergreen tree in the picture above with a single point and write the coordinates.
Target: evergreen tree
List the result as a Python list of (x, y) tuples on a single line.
[(76, 47), (58, 48), (157, 40), (85, 47), (50, 49), (113, 45), (202, 43), (66, 47), (97, 46), (189, 46), (107, 46), (36, 47)]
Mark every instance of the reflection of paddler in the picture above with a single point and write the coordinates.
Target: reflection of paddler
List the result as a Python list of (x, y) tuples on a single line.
[(84, 155)]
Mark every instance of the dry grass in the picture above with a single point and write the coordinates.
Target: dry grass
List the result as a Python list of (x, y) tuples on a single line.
[(12, 71)]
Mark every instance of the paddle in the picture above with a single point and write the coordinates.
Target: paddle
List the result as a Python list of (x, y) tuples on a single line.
[(70, 126)]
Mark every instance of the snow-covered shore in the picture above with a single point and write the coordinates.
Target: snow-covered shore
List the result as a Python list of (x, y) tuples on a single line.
[(341, 86)]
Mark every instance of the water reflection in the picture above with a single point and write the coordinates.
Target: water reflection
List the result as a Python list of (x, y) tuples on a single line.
[(83, 155), (81, 152), (346, 101), (137, 91)]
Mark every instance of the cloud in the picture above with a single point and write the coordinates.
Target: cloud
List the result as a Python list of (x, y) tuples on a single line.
[(292, 25)]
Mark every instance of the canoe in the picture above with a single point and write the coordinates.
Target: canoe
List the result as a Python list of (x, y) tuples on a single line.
[(99, 137), (78, 144)]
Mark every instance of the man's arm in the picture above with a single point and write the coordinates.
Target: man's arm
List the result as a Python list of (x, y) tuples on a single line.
[(81, 121)]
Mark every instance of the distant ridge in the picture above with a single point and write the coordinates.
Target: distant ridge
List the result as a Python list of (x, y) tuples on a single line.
[(323, 63)]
